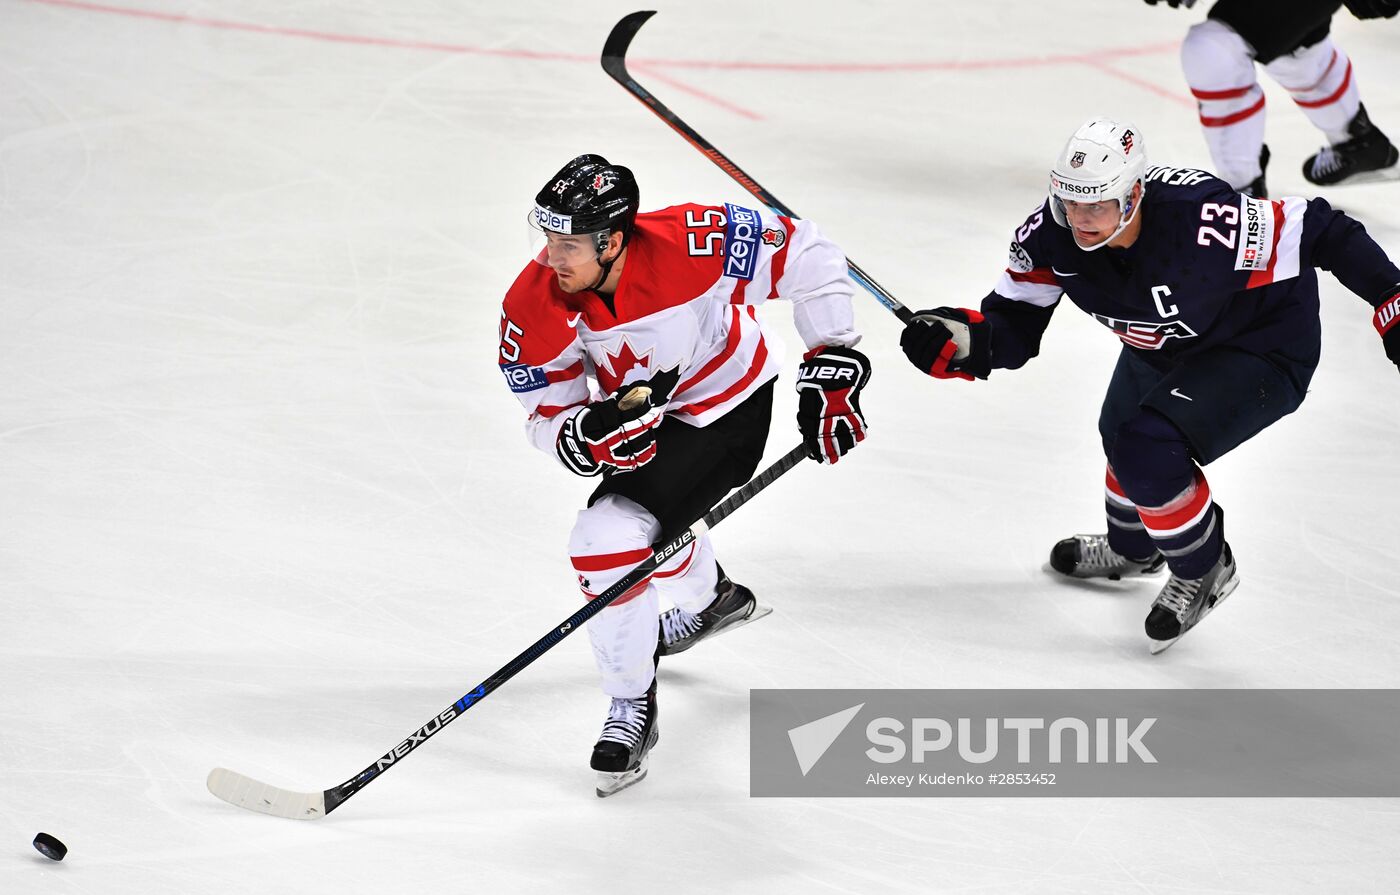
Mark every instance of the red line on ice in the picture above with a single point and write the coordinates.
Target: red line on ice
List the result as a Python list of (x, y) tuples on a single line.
[(1096, 58)]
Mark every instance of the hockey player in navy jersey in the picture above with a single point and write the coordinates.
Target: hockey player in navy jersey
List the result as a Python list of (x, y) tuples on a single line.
[(1214, 296), (617, 300), (1291, 41)]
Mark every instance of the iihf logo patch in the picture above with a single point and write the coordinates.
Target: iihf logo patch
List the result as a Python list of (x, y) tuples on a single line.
[(1077, 160)]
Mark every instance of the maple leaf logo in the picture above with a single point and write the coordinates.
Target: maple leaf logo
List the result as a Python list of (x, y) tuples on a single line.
[(774, 238), (615, 367)]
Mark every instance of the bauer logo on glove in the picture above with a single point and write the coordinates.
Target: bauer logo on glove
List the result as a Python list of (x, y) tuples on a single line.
[(829, 382)]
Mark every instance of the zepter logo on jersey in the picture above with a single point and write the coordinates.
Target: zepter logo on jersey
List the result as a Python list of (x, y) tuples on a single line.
[(741, 235)]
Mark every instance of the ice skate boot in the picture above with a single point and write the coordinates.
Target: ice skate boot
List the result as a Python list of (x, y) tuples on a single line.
[(1089, 556), (620, 756), (1368, 155), (734, 605), (1183, 602), (1257, 187)]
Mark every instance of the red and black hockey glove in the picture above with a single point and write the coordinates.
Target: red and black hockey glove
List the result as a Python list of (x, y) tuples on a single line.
[(949, 343), (619, 433), (829, 381), (1387, 321)]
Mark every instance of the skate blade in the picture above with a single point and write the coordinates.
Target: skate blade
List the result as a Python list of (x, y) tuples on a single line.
[(1384, 175), (1234, 582), (759, 611), (610, 784)]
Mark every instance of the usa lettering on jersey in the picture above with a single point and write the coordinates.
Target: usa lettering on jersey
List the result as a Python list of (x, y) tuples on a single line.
[(1148, 335)]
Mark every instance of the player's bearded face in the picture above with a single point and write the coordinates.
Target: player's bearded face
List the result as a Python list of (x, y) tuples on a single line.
[(573, 259), (1092, 222)]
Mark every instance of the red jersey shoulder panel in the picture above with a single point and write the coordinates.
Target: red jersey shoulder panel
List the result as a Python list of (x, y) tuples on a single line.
[(537, 322), (674, 256)]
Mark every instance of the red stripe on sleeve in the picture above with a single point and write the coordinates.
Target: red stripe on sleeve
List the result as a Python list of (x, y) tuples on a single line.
[(550, 411), (565, 374), (780, 256), (1042, 275), (1266, 276)]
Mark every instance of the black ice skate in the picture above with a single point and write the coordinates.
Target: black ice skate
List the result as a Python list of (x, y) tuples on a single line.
[(1368, 155), (1089, 556), (1183, 602), (620, 756), (1257, 187), (734, 605)]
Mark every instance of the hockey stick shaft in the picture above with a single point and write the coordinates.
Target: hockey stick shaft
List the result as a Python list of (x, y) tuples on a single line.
[(615, 64), (248, 793)]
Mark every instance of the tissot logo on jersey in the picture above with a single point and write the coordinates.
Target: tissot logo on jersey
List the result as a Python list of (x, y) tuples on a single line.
[(523, 377), (1256, 234), (741, 232), (1146, 334)]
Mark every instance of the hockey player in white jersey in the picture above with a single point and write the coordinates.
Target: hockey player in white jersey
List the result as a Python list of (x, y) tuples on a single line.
[(616, 300), (1291, 40)]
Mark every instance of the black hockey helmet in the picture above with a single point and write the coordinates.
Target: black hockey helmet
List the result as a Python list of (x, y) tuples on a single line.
[(588, 195)]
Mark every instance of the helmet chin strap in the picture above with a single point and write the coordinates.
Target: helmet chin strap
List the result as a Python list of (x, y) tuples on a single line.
[(607, 265)]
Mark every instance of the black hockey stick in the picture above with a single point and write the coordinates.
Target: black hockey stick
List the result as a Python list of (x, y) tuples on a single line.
[(245, 792), (615, 64)]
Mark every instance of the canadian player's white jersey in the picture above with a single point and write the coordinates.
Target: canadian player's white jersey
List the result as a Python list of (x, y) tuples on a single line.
[(686, 299)]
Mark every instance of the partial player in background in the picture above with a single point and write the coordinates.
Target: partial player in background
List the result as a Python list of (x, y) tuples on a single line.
[(1215, 299), (1290, 39), (632, 340)]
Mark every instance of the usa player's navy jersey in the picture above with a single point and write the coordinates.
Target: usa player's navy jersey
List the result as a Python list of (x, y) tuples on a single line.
[(1211, 267)]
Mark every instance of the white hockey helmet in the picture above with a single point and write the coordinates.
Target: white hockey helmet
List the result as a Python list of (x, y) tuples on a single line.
[(1100, 163)]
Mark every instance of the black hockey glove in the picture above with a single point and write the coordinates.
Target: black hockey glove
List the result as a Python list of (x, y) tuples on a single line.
[(949, 343), (829, 381), (1174, 4), (1387, 321), (1373, 9), (618, 433)]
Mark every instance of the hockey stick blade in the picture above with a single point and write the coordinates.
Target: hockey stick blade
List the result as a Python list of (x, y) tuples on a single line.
[(614, 62), (245, 792)]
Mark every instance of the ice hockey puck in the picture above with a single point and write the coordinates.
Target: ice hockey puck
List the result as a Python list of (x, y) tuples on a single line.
[(50, 847)]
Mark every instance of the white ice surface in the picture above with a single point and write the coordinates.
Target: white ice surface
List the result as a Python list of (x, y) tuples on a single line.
[(265, 502)]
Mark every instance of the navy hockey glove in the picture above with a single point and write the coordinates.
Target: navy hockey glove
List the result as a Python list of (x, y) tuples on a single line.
[(949, 343), (619, 433), (829, 381), (1387, 321), (1373, 9)]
